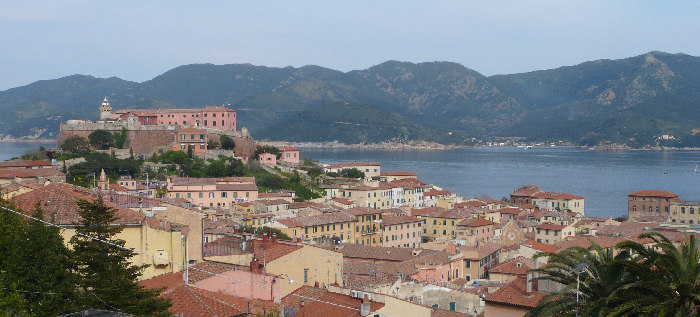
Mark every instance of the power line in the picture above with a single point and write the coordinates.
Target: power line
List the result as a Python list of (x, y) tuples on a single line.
[(178, 264)]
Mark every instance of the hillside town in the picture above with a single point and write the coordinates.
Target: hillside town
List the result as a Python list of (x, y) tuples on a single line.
[(389, 243)]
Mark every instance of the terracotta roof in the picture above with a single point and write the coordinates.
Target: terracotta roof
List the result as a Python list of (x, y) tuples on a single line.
[(517, 266), (471, 203), (288, 148), (625, 229), (439, 312), (273, 194), (653, 193), (360, 251), (118, 187), (59, 203), (411, 181), (9, 173), (510, 211), (352, 164), (489, 200), (192, 301), (22, 163), (318, 220), (264, 251), (526, 191), (437, 193), (395, 220), (528, 206), (244, 187), (323, 303), (475, 223), (425, 211), (211, 180), (363, 211), (515, 294), (539, 246), (552, 195), (550, 226), (255, 216), (398, 173), (268, 202), (483, 250), (8, 188), (584, 241), (456, 213), (343, 201)]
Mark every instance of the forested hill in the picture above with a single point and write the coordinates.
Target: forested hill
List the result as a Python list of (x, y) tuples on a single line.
[(632, 101)]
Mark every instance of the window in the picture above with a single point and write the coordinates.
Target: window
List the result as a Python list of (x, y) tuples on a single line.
[(213, 123), (306, 276), (191, 136), (211, 195), (223, 194), (201, 195), (692, 210)]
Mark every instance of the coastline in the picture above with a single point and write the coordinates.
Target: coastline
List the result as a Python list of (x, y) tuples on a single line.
[(427, 146)]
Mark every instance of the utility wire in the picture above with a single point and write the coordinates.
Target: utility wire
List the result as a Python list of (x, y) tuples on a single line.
[(179, 264)]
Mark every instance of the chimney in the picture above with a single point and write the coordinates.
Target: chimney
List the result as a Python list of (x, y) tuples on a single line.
[(264, 238), (254, 266), (529, 282), (364, 307), (274, 237), (316, 285)]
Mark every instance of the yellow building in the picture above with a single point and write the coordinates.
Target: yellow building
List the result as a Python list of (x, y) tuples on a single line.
[(372, 170), (442, 224), (367, 196), (319, 228), (160, 244), (368, 229), (257, 220)]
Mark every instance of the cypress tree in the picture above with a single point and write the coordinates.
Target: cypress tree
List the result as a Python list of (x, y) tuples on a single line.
[(106, 277)]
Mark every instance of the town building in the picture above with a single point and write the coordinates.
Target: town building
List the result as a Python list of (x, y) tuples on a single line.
[(289, 154), (473, 230), (267, 158), (523, 195), (396, 175), (337, 227), (650, 203), (218, 117), (191, 140), (442, 224), (367, 196), (515, 299), (213, 192), (371, 169), (368, 228), (685, 212), (559, 201), (401, 231)]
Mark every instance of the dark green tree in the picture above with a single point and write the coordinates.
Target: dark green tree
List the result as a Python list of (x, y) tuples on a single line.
[(267, 149), (120, 138), (75, 145), (106, 277), (227, 143), (352, 173), (101, 139)]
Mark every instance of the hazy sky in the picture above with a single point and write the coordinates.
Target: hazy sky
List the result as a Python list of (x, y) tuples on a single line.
[(138, 40)]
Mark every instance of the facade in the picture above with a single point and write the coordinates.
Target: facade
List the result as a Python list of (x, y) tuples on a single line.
[(216, 117), (523, 195), (368, 228), (213, 192), (267, 159), (401, 231), (367, 196), (479, 259), (559, 201), (442, 224), (549, 233), (650, 203), (474, 230), (371, 169), (191, 139), (685, 212), (397, 175), (319, 228), (289, 154)]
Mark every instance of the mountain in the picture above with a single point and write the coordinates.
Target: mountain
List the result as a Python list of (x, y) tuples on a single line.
[(631, 100), (349, 123)]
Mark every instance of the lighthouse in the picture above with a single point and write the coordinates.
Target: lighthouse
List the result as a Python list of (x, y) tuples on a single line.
[(105, 110)]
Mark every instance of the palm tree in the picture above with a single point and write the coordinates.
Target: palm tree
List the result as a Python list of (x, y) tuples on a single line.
[(587, 277), (667, 279)]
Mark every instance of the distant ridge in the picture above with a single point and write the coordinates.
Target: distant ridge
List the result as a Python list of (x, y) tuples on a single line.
[(630, 101)]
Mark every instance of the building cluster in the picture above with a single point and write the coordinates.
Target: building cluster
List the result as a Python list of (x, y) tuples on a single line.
[(383, 244)]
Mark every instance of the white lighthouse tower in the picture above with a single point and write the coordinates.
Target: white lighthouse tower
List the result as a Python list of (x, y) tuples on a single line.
[(105, 110)]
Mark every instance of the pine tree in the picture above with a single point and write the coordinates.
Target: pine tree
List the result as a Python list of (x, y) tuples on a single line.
[(106, 277)]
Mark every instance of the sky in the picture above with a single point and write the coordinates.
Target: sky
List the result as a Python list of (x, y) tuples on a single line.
[(138, 40)]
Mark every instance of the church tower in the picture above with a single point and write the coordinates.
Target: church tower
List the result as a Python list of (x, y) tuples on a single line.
[(105, 110), (103, 183)]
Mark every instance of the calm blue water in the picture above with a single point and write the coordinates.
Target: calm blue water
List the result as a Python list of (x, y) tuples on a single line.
[(603, 178), (10, 150)]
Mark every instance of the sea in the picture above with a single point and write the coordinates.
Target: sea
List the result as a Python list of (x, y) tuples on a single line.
[(10, 150), (603, 178)]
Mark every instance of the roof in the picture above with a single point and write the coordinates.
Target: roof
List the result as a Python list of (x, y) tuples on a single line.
[(22, 163), (210, 180), (343, 201), (243, 187), (395, 220), (352, 164), (363, 211), (437, 193), (192, 301), (118, 187), (653, 193), (517, 266), (439, 312), (9, 173), (288, 149), (515, 294), (510, 211), (451, 214), (272, 202), (317, 220), (398, 173), (313, 301), (475, 223), (584, 241), (59, 203), (471, 203), (539, 246), (552, 195), (173, 110), (483, 250), (489, 200), (550, 226), (425, 211), (360, 251), (526, 191)]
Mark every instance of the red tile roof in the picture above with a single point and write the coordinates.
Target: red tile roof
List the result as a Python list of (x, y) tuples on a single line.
[(550, 226), (653, 193), (526, 191), (363, 211), (288, 148), (475, 223), (317, 220), (437, 193), (471, 203), (539, 246), (411, 181), (192, 301), (515, 294), (552, 195), (584, 241), (59, 203), (510, 211), (264, 251), (9, 173), (343, 201), (425, 211), (25, 164), (359, 251), (323, 303), (517, 266), (395, 220)]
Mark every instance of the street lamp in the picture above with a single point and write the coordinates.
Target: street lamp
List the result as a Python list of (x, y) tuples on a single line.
[(578, 270)]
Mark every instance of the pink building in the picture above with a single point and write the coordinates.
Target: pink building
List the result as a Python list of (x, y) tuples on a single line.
[(289, 154), (401, 231), (475, 229), (267, 159), (191, 138), (213, 192), (246, 282), (217, 117)]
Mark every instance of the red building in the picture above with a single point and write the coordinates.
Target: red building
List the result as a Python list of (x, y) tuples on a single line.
[(216, 117)]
